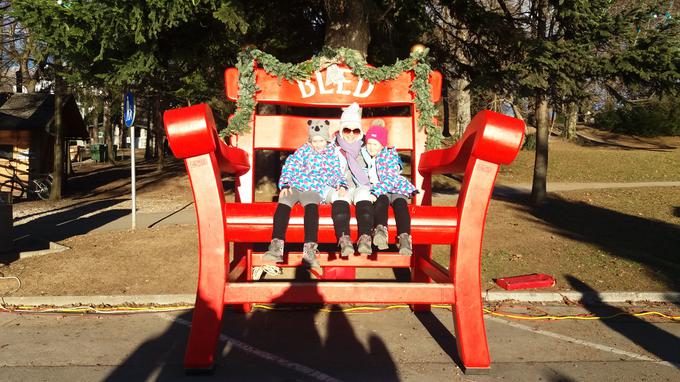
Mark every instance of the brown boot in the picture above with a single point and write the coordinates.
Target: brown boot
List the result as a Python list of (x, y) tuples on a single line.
[(380, 237), (364, 245), (275, 251), (404, 244), (346, 247), (309, 252)]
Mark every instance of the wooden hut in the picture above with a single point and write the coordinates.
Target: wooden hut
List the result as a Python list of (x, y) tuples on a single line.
[(27, 133)]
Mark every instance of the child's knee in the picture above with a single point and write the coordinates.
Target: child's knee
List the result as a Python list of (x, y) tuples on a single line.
[(310, 197), (400, 202), (362, 194)]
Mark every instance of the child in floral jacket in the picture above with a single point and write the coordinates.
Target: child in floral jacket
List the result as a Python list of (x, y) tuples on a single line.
[(307, 177), (388, 186)]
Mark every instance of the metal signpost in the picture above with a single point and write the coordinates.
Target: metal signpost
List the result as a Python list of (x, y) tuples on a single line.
[(129, 116)]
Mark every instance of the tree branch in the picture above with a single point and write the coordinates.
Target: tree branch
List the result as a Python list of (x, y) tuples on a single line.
[(506, 11)]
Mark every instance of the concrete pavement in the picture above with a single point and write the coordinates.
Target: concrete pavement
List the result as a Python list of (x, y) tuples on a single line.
[(393, 345)]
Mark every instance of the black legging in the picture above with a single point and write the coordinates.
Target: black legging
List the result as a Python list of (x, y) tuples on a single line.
[(281, 218), (341, 216), (311, 221), (365, 212), (401, 214)]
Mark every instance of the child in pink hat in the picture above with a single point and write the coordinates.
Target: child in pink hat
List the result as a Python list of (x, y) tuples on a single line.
[(388, 186)]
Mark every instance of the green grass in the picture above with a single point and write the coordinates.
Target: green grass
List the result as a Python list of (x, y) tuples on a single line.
[(611, 239), (569, 162)]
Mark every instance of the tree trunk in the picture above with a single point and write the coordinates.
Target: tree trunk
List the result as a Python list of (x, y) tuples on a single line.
[(347, 24), (123, 133), (108, 128), (516, 110), (94, 134), (452, 109), (58, 169), (463, 103), (67, 151), (539, 186), (158, 129), (570, 122), (28, 81), (149, 128)]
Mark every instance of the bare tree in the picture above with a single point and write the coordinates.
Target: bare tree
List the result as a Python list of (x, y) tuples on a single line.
[(58, 169), (108, 126), (18, 52)]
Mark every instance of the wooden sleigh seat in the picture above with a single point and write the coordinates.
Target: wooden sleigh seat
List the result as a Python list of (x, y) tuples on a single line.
[(490, 140)]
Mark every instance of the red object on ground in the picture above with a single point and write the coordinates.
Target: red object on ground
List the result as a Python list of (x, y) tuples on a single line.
[(536, 280)]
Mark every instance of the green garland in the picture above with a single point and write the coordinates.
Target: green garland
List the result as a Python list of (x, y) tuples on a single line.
[(245, 104)]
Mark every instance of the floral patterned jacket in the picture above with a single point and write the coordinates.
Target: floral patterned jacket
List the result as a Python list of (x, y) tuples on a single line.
[(388, 167), (309, 170)]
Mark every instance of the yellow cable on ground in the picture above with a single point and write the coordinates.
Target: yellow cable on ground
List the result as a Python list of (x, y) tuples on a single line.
[(352, 310)]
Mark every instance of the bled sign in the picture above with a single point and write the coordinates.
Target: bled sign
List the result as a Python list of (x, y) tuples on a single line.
[(129, 109), (337, 81)]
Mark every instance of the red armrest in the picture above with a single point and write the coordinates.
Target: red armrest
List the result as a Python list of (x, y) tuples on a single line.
[(191, 132), (490, 136)]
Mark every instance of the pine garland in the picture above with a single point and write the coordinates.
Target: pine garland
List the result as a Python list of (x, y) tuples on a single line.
[(245, 105)]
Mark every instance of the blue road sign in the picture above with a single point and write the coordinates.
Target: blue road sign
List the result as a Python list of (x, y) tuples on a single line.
[(129, 109)]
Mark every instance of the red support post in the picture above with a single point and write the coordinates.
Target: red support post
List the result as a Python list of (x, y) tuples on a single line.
[(466, 264)]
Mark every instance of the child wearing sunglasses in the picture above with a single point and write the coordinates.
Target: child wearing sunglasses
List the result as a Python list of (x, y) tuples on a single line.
[(349, 142), (388, 186), (307, 177)]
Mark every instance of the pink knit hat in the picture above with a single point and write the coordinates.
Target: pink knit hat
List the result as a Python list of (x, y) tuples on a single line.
[(377, 131)]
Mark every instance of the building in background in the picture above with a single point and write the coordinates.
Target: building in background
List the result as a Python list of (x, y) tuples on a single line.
[(27, 133)]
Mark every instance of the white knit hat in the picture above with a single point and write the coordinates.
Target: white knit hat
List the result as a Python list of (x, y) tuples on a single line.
[(351, 116)]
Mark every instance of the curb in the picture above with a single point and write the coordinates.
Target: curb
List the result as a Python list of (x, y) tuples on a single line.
[(575, 296), (496, 296)]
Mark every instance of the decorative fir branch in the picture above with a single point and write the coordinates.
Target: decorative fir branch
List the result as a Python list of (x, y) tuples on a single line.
[(417, 61)]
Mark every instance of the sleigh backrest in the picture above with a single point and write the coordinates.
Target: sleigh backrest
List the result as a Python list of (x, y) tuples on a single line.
[(288, 132)]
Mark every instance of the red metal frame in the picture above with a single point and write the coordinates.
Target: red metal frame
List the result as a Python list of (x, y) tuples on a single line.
[(491, 140)]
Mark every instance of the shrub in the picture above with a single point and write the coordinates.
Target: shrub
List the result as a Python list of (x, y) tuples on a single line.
[(529, 142), (653, 118)]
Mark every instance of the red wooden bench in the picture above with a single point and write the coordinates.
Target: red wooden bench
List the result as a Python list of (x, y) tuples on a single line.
[(490, 140)]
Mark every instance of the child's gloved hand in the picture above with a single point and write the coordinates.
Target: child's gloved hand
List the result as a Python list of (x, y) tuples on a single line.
[(342, 191), (285, 192)]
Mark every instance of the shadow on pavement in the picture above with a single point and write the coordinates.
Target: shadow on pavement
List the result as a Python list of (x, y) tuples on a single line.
[(441, 334), (291, 344), (36, 234), (557, 377), (662, 344), (116, 179)]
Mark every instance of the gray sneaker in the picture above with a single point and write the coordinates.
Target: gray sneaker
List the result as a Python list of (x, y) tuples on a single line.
[(309, 257), (275, 251), (404, 244), (364, 245), (346, 247), (380, 237)]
